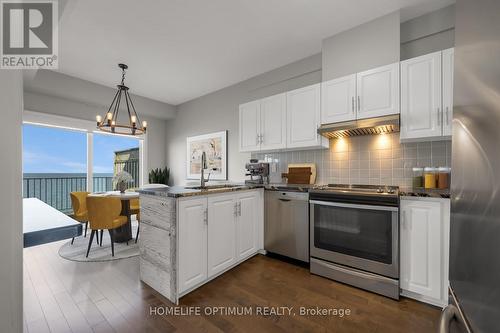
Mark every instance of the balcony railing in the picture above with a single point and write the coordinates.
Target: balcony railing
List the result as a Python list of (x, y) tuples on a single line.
[(55, 190)]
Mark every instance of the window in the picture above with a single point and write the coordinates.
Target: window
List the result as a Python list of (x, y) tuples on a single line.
[(54, 164)]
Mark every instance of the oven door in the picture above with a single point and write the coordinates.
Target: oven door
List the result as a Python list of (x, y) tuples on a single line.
[(356, 235)]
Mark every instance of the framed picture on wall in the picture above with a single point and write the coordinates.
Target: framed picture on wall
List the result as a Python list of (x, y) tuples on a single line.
[(215, 147)]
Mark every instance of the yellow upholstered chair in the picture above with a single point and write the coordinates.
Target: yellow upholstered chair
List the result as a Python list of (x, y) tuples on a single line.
[(79, 205), (104, 213), (135, 209)]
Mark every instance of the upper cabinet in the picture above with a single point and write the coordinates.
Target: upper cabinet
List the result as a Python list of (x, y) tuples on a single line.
[(427, 95), (338, 102), (288, 120), (250, 126), (273, 122), (368, 94), (303, 117), (378, 91), (448, 63)]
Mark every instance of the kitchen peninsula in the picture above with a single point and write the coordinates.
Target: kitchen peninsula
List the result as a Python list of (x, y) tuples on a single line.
[(190, 235)]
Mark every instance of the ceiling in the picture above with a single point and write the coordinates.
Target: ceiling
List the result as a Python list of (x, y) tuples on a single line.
[(178, 50)]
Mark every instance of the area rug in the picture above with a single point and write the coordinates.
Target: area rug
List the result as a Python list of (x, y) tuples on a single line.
[(77, 250)]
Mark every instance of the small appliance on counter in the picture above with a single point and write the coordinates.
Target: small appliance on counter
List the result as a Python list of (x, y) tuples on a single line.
[(258, 172)]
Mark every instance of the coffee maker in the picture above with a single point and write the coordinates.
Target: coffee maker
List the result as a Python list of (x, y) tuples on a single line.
[(258, 172)]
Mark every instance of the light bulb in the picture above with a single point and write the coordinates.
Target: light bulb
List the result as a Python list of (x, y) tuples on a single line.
[(133, 119), (109, 115), (98, 118), (113, 123), (144, 124)]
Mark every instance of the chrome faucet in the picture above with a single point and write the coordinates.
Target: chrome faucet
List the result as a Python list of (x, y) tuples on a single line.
[(203, 167)]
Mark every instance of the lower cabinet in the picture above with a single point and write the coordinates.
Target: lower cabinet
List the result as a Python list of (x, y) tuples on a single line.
[(192, 240), (424, 245), (215, 233)]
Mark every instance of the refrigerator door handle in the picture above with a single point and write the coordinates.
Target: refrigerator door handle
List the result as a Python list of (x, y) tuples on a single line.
[(449, 313)]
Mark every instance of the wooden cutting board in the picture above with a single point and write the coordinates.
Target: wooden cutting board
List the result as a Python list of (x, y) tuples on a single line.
[(301, 173)]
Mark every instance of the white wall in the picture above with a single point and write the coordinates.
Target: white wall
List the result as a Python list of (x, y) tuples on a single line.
[(373, 44), (11, 261), (219, 111), (428, 33)]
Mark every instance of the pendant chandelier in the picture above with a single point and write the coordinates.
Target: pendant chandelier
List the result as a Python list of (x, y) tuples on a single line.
[(110, 122)]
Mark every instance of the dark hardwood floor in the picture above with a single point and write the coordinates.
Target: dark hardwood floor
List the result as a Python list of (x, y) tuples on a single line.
[(66, 296)]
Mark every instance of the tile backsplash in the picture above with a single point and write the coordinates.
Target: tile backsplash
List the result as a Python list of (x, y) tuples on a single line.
[(370, 159)]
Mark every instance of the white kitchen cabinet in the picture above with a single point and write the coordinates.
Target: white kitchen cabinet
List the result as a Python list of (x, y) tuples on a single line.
[(425, 249), (221, 233), (303, 118), (273, 122), (217, 232), (448, 63), (192, 232), (427, 96), (249, 118), (338, 99), (249, 217), (378, 92)]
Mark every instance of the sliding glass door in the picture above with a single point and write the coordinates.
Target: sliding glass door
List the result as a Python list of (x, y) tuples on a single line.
[(54, 164)]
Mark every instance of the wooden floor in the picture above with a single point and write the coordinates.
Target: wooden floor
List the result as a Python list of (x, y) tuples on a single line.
[(66, 296)]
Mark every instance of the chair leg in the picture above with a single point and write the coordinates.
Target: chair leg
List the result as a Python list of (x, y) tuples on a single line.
[(137, 235), (90, 242), (72, 240), (101, 237), (97, 237), (112, 242), (86, 225)]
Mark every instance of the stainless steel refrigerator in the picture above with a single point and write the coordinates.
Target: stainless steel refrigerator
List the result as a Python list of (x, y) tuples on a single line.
[(475, 186)]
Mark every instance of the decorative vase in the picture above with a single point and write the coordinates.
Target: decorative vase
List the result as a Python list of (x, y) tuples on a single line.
[(122, 186)]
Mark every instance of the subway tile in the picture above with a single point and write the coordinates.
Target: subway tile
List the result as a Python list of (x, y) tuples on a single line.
[(397, 153), (386, 163), (410, 153), (364, 155), (374, 181), (374, 173), (354, 164), (374, 164), (344, 164), (398, 173), (364, 164), (364, 173), (386, 173), (385, 153), (397, 163)]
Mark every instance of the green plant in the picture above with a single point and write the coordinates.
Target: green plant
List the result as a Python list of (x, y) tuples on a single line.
[(159, 176)]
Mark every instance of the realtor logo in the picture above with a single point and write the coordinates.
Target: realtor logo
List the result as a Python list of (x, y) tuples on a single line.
[(29, 34)]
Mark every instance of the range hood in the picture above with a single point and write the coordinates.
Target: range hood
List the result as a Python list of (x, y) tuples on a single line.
[(370, 126)]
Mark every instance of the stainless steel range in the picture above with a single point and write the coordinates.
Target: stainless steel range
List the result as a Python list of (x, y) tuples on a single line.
[(354, 236)]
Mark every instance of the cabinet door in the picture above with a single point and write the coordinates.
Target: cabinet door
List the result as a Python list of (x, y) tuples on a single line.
[(338, 99), (378, 91), (192, 242), (249, 126), (421, 97), (421, 250), (249, 215), (221, 233), (448, 63), (273, 122), (303, 117)]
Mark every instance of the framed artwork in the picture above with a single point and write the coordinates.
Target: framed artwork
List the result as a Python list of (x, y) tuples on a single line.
[(215, 147)]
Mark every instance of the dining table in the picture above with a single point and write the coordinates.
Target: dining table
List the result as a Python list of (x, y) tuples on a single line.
[(124, 233)]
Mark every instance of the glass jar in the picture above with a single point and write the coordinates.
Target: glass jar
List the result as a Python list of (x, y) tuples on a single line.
[(418, 177), (430, 177), (443, 177)]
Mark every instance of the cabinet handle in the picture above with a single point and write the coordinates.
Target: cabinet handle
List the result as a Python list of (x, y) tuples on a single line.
[(257, 139), (447, 116), (205, 213), (359, 103), (353, 110), (235, 209), (239, 208), (439, 116), (262, 138)]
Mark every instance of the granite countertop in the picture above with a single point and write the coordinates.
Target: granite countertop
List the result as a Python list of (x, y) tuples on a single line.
[(188, 191)]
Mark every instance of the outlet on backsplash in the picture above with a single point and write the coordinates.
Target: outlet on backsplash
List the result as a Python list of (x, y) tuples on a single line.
[(370, 159)]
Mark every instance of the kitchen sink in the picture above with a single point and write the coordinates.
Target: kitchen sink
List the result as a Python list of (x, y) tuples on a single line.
[(212, 187)]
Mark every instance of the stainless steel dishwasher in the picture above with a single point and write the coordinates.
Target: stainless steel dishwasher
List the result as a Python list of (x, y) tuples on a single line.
[(287, 224)]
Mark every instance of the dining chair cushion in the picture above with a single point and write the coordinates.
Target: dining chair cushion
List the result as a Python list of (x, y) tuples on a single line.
[(104, 212)]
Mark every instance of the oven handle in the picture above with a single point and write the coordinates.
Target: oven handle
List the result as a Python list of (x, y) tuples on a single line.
[(355, 206)]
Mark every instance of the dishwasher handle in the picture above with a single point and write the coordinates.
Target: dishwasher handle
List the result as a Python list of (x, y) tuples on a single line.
[(284, 200)]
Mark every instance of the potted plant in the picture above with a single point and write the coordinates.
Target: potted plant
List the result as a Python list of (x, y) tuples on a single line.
[(121, 179), (159, 176)]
